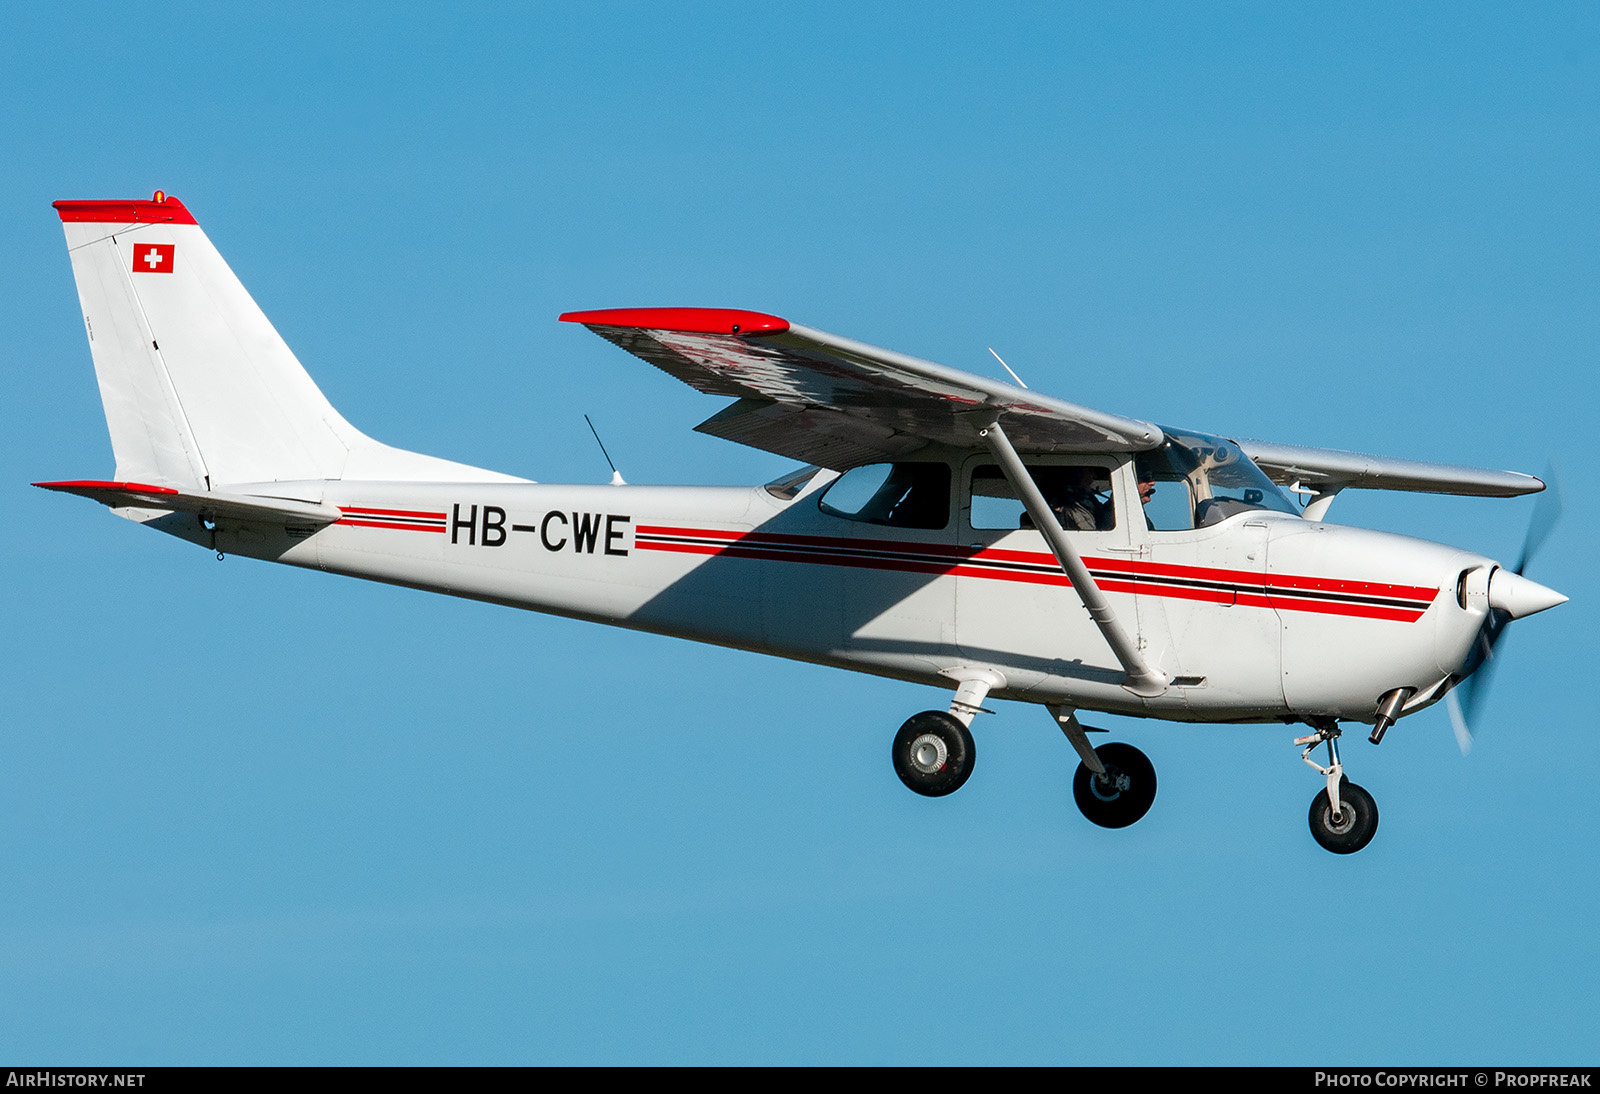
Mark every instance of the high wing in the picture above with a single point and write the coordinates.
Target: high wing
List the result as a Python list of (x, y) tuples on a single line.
[(1329, 470), (835, 402)]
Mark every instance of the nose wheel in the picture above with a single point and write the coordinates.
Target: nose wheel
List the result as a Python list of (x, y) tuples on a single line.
[(1351, 827)]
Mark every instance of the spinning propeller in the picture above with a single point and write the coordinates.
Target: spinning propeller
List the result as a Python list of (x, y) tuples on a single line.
[(1511, 596)]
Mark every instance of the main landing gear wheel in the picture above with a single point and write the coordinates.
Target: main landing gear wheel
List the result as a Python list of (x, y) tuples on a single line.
[(1123, 794), (1355, 825), (933, 753)]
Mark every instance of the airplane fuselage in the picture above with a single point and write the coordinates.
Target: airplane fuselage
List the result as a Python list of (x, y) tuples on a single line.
[(1263, 617)]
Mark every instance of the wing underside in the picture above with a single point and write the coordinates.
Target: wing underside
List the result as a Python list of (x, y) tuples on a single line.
[(1330, 469), (822, 399)]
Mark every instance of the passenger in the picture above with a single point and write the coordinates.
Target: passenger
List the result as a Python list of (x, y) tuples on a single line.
[(1075, 504)]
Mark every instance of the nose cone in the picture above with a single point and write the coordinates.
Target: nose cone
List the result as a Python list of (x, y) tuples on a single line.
[(1517, 596)]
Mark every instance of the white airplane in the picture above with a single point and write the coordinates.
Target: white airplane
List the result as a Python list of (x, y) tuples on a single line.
[(966, 533)]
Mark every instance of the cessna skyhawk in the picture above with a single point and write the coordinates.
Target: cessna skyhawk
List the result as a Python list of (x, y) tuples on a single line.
[(947, 528)]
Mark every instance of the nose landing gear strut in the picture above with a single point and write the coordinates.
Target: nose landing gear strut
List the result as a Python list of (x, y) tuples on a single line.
[(1344, 817)]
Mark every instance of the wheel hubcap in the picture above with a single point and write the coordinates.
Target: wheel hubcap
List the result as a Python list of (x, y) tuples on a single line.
[(929, 753), (1110, 786), (1341, 823)]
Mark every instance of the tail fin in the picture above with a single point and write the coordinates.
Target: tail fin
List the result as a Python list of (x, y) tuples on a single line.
[(199, 389)]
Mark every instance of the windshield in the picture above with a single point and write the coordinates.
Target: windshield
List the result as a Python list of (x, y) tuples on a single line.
[(1194, 480)]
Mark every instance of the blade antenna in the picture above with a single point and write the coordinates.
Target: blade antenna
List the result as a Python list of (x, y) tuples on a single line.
[(616, 476), (1007, 367)]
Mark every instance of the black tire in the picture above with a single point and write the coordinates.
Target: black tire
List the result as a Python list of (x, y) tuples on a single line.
[(1105, 801), (934, 753), (1356, 824)]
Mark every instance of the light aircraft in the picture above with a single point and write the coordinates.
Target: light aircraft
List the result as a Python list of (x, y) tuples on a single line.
[(947, 528)]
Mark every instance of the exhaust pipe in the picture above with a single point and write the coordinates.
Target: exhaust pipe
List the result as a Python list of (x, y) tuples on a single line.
[(1389, 711)]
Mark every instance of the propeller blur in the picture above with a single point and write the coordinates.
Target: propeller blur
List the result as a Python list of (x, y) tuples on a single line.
[(1511, 596)]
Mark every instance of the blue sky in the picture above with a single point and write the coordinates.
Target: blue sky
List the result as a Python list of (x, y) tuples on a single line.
[(255, 815)]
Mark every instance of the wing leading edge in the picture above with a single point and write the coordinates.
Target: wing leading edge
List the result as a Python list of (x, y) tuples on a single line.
[(835, 402)]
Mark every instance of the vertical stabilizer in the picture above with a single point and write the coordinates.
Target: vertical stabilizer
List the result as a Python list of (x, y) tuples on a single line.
[(199, 389)]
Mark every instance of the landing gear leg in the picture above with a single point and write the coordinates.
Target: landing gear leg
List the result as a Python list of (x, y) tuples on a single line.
[(1344, 818)]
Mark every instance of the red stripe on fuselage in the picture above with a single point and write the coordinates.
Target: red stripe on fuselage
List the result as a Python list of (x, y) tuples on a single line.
[(1329, 596), (392, 524), (391, 512)]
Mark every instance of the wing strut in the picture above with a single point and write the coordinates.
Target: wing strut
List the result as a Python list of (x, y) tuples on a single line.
[(1143, 679)]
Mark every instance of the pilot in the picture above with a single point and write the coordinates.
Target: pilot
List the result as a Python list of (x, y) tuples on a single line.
[(1147, 490), (1147, 486)]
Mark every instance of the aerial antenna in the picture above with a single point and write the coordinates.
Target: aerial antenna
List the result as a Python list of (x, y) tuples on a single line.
[(1007, 367), (616, 476)]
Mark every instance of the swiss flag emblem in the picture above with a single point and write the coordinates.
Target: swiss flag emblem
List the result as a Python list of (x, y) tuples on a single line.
[(152, 258)]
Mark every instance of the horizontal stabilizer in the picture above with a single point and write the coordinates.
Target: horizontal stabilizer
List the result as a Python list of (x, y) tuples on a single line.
[(250, 507), (1327, 469)]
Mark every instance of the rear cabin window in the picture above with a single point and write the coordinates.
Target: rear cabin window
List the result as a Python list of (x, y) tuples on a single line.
[(1079, 496), (901, 495)]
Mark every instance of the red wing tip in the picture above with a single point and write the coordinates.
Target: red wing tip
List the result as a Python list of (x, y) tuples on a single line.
[(100, 484), (160, 209), (684, 320)]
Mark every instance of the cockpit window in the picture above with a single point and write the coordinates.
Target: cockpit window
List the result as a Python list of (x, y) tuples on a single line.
[(903, 495), (1194, 481)]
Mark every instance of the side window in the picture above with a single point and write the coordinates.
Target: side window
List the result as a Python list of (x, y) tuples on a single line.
[(902, 495), (1165, 496), (1194, 481), (1166, 487), (1079, 496)]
